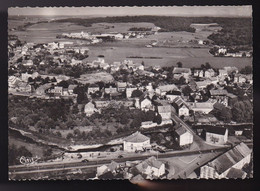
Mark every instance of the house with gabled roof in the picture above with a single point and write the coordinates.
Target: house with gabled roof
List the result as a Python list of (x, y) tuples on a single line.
[(220, 167), (165, 111), (110, 88), (136, 142), (220, 95), (216, 135), (178, 72), (151, 168), (171, 95), (163, 89), (121, 86), (203, 107), (183, 136)]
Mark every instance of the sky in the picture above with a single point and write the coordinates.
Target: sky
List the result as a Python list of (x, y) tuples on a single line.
[(216, 11)]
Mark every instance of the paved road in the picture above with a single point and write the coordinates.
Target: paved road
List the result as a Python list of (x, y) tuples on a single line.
[(21, 169)]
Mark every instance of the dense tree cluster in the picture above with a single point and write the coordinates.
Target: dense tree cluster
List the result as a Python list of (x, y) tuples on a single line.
[(242, 111), (246, 70)]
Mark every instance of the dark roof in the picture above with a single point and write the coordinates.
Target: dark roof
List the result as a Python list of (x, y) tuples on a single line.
[(218, 106), (110, 84), (215, 130), (235, 173), (173, 92), (180, 131), (93, 86)]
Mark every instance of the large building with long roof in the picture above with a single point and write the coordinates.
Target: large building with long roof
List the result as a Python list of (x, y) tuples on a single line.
[(236, 158)]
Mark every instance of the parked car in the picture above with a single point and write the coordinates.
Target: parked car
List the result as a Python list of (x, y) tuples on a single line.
[(85, 160), (120, 156)]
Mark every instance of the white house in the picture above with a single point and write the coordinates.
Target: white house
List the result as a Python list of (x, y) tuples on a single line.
[(220, 167), (90, 109), (93, 88), (129, 91), (184, 110), (146, 104), (209, 73), (216, 135), (151, 167), (183, 136), (162, 90), (136, 142)]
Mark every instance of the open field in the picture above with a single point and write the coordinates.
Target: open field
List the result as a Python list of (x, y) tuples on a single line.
[(95, 77), (190, 57), (181, 51)]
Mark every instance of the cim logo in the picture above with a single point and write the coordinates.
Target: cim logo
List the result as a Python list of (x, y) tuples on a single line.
[(28, 160)]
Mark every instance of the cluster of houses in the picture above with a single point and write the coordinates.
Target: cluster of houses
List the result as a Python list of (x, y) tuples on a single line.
[(97, 38), (151, 168), (224, 51)]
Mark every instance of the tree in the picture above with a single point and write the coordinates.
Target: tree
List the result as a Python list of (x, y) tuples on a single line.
[(69, 136), (47, 152), (207, 65), (63, 84), (137, 93), (187, 90), (157, 119), (246, 70), (75, 109), (202, 66), (53, 79), (242, 111), (179, 64), (150, 115)]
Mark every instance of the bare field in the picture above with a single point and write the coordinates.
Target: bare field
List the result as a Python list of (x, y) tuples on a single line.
[(95, 77), (190, 57)]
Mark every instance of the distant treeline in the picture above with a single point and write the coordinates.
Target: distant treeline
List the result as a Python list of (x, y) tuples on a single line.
[(236, 31)]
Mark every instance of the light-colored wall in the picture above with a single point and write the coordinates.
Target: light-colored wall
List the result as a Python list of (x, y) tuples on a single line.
[(132, 147), (185, 139)]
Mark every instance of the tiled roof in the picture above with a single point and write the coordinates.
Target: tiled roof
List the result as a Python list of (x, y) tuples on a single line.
[(137, 137), (168, 87), (230, 158), (179, 101), (180, 131), (216, 130), (235, 173), (181, 70), (164, 109), (71, 87), (152, 161), (203, 105), (93, 86), (218, 92)]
